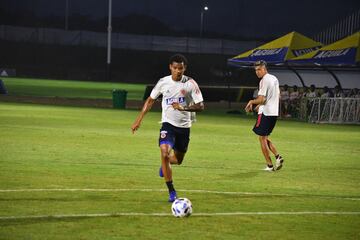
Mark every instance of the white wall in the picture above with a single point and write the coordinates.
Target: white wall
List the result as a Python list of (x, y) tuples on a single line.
[(286, 77), (349, 79), (319, 78)]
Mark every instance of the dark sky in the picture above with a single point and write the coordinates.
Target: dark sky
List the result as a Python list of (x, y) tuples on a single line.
[(249, 18)]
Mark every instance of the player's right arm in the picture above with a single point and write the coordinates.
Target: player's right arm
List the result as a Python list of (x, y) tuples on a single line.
[(261, 99), (147, 106), (155, 93)]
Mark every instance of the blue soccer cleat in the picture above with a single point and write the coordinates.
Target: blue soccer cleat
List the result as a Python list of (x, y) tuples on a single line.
[(160, 172), (172, 196)]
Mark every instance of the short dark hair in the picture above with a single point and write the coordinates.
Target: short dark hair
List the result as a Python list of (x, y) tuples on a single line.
[(178, 58), (260, 63)]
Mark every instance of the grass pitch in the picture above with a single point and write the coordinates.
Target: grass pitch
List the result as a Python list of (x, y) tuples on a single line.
[(70, 89), (79, 173)]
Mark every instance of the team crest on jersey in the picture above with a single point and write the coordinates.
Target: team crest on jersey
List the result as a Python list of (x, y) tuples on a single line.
[(183, 92), (163, 134)]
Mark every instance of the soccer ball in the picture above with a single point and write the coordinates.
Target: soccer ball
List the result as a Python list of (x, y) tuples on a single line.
[(181, 207)]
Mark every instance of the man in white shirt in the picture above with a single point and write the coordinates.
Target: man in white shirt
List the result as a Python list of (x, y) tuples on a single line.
[(181, 98), (294, 101), (326, 93), (338, 93), (312, 93), (268, 111), (294, 95), (284, 100)]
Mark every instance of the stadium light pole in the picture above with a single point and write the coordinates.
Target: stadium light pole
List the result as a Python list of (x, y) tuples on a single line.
[(109, 43), (203, 10)]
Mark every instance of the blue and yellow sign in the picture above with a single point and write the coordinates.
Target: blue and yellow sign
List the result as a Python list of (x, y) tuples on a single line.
[(344, 52), (278, 51)]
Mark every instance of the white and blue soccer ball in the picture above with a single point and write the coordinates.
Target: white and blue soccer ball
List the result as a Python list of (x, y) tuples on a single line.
[(181, 207)]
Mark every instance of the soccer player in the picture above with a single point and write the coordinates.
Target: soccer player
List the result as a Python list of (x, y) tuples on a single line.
[(268, 110), (181, 97)]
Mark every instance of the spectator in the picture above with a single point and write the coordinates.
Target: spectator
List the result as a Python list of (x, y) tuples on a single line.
[(338, 93), (312, 93), (326, 93), (304, 92), (354, 93), (357, 93), (284, 100), (294, 95), (294, 101)]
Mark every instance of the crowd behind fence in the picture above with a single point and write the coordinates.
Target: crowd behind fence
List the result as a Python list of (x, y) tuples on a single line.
[(320, 106), (334, 110)]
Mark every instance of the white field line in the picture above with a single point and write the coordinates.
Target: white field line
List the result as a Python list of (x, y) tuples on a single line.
[(179, 190), (126, 214)]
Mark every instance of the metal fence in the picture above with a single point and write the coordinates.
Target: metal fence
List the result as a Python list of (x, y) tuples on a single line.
[(332, 110), (343, 28), (124, 41)]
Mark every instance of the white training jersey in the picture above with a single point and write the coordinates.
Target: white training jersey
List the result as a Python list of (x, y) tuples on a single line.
[(269, 88), (185, 92)]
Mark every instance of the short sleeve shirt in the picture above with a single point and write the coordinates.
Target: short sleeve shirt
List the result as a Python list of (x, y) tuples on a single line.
[(185, 92), (269, 88)]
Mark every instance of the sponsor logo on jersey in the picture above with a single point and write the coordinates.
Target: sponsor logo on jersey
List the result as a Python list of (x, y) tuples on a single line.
[(332, 53), (170, 101), (265, 52)]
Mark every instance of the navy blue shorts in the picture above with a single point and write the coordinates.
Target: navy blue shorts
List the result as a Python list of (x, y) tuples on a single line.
[(177, 138), (264, 125)]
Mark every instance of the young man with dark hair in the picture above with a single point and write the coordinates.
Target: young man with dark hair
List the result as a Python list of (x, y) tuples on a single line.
[(268, 111), (181, 97)]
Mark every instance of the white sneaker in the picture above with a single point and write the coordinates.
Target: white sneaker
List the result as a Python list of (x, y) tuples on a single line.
[(279, 163), (269, 169)]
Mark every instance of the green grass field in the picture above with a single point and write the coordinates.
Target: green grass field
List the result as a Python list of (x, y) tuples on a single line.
[(85, 162), (70, 89)]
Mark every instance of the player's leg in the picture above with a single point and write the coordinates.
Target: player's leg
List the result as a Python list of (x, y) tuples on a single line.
[(165, 150), (177, 157), (278, 157), (166, 143), (166, 170), (272, 147), (182, 139), (279, 160), (261, 129), (265, 150)]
